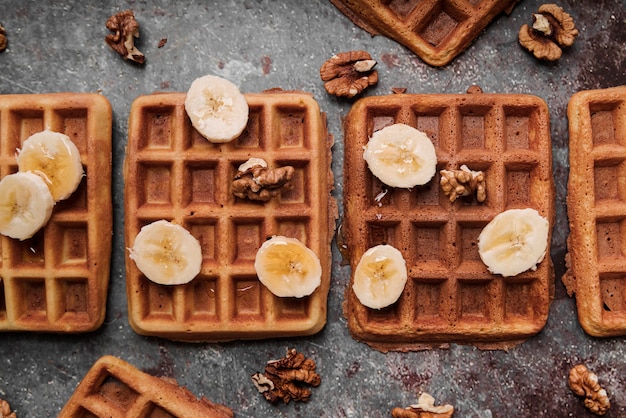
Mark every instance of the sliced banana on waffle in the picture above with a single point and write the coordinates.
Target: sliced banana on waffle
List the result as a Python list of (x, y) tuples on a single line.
[(25, 205), (216, 108), (380, 276), (401, 156), (515, 240), (167, 253), (287, 267), (54, 157)]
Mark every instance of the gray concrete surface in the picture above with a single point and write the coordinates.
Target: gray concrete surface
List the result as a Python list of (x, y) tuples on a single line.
[(259, 44)]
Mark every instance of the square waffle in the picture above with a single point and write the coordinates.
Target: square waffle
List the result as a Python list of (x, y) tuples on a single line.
[(112, 388), (450, 295), (596, 206), (57, 280), (173, 173), (435, 30)]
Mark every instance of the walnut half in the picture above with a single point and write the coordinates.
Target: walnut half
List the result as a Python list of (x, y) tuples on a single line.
[(255, 181), (425, 408), (125, 28), (5, 410), (283, 378), (3, 39), (349, 73), (552, 30), (463, 182), (585, 383)]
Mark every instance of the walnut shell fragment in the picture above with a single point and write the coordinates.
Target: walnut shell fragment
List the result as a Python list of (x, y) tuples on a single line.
[(552, 30), (425, 408), (125, 28), (585, 383), (3, 39), (5, 410), (347, 74), (283, 378), (255, 181)]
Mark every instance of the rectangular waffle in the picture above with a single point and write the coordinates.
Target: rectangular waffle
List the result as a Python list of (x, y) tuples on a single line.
[(112, 388), (57, 280), (450, 295), (435, 30), (173, 173), (596, 206)]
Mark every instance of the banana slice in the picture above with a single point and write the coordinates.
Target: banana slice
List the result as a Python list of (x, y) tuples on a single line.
[(287, 267), (380, 276), (167, 253), (515, 240), (401, 156), (25, 205), (217, 108), (55, 158)]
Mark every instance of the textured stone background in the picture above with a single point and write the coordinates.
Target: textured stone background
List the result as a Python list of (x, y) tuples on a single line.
[(259, 44)]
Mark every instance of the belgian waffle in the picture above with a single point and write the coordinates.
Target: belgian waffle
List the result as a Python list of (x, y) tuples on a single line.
[(596, 206), (435, 30), (450, 295), (57, 280), (113, 388), (173, 173)]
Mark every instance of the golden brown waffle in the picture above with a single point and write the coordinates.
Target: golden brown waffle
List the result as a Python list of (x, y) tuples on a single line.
[(596, 206), (450, 295), (435, 30), (114, 389), (173, 173), (57, 281)]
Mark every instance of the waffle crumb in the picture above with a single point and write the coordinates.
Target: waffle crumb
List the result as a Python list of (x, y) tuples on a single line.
[(283, 378), (585, 383)]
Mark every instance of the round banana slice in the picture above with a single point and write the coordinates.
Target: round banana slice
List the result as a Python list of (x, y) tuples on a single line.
[(401, 156), (217, 108), (55, 158), (167, 253), (25, 205), (380, 276), (287, 267), (515, 240)]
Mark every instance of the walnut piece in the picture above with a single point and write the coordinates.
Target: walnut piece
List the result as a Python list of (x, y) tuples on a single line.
[(349, 73), (463, 182), (3, 39), (585, 383), (255, 181), (425, 408), (552, 30), (5, 410), (125, 28), (283, 378)]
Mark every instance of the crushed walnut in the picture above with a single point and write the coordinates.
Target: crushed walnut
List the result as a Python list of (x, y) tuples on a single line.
[(585, 383), (283, 378), (349, 73), (5, 410), (425, 408), (256, 181), (3, 39), (125, 28), (552, 30), (463, 182)]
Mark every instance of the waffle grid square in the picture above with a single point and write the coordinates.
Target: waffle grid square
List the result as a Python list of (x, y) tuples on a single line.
[(57, 280)]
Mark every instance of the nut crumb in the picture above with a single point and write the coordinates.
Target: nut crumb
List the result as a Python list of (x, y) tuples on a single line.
[(125, 29), (552, 30), (585, 383), (5, 410), (463, 182), (3, 39), (398, 90), (283, 378), (162, 43), (425, 408), (255, 181), (347, 74)]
